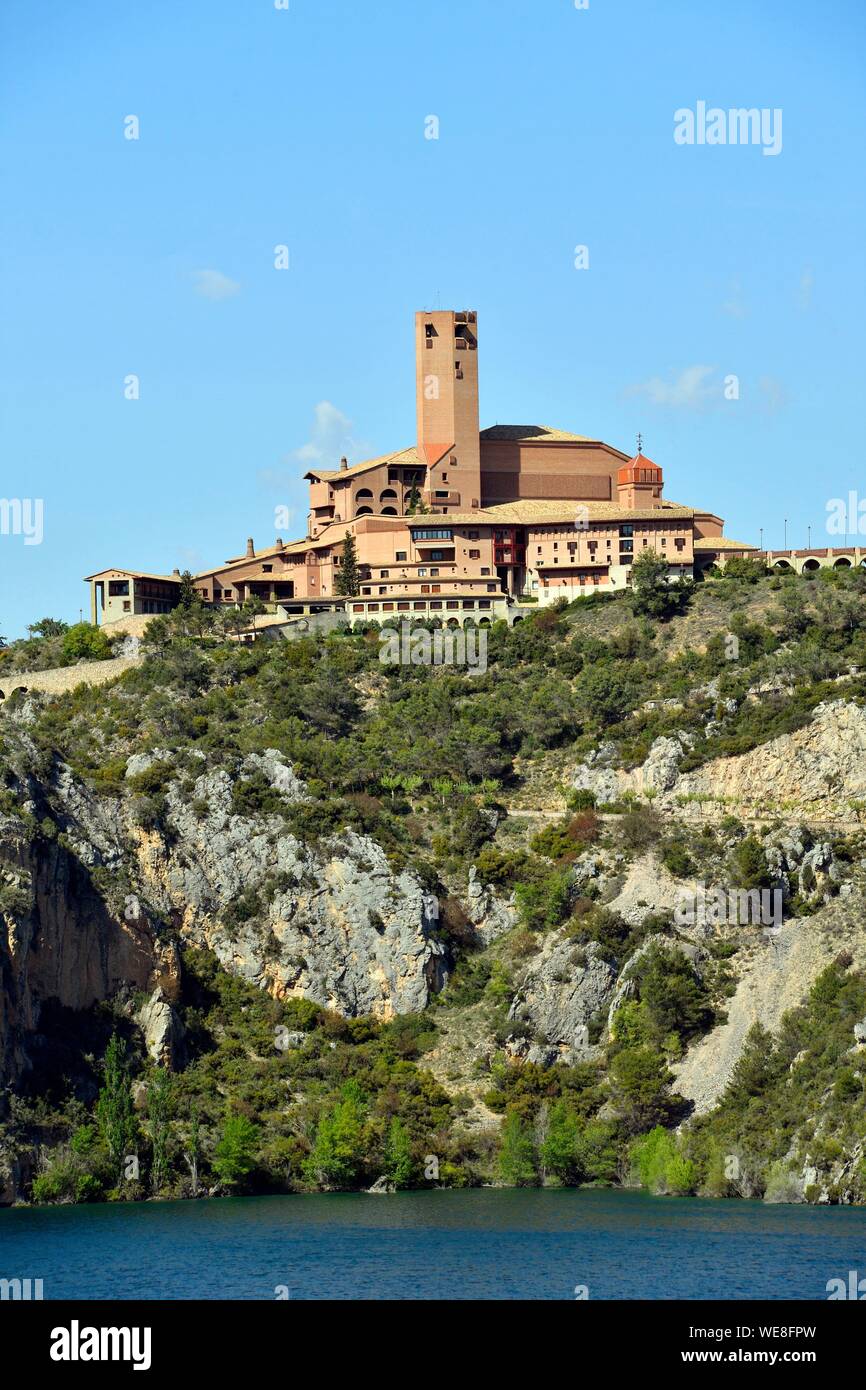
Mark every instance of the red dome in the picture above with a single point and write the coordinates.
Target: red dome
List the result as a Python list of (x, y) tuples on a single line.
[(639, 470)]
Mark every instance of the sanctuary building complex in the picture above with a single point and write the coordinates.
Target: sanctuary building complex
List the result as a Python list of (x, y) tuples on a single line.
[(464, 522)]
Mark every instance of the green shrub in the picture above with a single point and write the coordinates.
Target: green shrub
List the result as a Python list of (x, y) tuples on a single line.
[(84, 642)]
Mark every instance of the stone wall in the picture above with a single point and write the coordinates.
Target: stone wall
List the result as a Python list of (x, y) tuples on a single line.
[(67, 677)]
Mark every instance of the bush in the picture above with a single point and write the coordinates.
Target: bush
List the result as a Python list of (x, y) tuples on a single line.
[(544, 904), (677, 859), (84, 642), (660, 1165)]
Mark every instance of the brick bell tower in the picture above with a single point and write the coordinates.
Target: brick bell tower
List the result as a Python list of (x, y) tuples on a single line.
[(446, 395)]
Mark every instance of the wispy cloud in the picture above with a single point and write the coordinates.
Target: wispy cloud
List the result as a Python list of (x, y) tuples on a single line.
[(689, 389), (331, 438), (772, 393), (736, 307), (212, 284), (805, 288)]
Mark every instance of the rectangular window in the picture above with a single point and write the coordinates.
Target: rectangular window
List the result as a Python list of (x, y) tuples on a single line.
[(475, 554), (118, 587), (400, 556), (372, 608), (485, 569), (436, 589), (435, 602), (442, 533), (387, 608), (451, 603), (419, 603), (383, 574), (383, 588), (403, 607), (433, 572)]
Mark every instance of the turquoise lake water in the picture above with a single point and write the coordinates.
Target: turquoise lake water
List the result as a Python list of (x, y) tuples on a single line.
[(480, 1244)]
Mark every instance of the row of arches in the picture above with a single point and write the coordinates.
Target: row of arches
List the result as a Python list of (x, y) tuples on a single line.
[(388, 499), (388, 494), (811, 563)]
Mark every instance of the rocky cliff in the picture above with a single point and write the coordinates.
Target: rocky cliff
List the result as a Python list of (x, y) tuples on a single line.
[(95, 903)]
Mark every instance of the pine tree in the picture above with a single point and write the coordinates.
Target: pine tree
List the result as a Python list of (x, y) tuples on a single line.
[(252, 608), (187, 594), (348, 578)]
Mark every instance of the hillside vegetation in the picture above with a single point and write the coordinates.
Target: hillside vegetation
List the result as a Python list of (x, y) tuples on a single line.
[(311, 840)]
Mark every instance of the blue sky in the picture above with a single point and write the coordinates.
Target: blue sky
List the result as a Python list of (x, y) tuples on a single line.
[(306, 128)]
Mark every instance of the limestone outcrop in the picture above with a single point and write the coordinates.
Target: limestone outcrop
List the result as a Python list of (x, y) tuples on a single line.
[(820, 768), (101, 904)]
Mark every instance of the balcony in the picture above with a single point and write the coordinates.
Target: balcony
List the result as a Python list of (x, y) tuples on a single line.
[(441, 497)]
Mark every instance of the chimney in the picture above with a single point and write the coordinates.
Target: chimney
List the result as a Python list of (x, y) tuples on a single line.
[(344, 463), (177, 572), (251, 551), (278, 543)]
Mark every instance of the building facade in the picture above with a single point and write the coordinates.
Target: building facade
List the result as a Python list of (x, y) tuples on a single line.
[(464, 521)]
